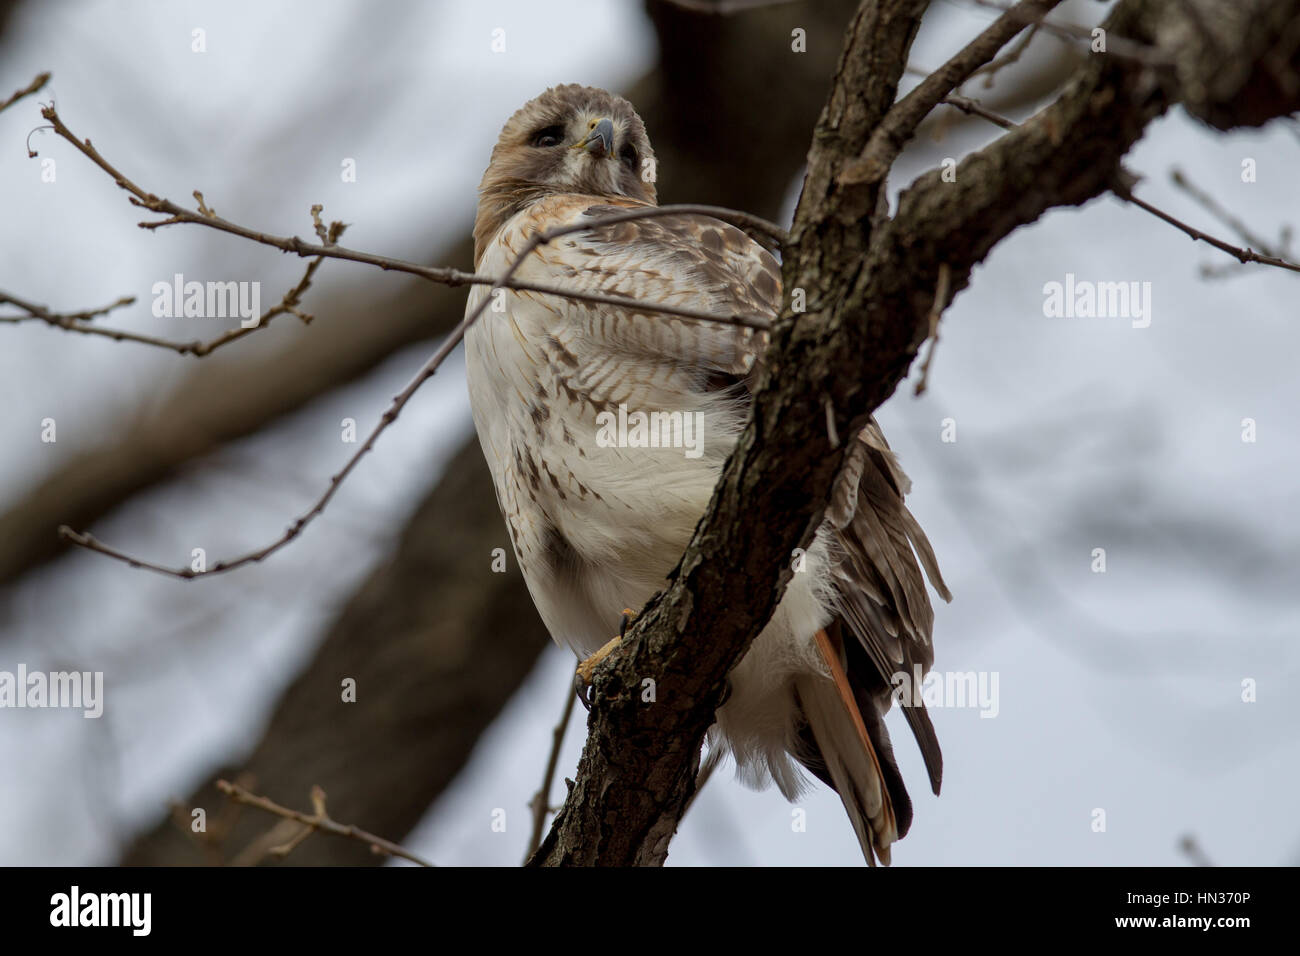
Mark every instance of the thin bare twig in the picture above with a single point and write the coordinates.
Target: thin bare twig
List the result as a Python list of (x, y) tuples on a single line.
[(1123, 191), (176, 214), (32, 87), (903, 118), (426, 372), (1074, 32), (1281, 249), (76, 321), (318, 820), (936, 311), (991, 69), (1212, 206), (1123, 188), (279, 841), (1192, 848), (974, 108), (70, 320), (213, 835), (541, 802)]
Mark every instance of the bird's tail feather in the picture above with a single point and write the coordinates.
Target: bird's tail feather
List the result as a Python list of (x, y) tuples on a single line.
[(855, 753)]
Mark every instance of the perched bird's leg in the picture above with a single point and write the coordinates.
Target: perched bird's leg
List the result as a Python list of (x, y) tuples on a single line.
[(587, 668)]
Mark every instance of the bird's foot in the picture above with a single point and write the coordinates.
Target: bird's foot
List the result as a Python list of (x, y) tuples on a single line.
[(587, 668)]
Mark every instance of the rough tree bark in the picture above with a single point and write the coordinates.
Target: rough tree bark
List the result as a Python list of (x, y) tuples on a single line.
[(435, 640), (871, 284)]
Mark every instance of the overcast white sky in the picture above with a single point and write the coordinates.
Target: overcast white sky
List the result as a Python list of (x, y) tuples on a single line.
[(1119, 691)]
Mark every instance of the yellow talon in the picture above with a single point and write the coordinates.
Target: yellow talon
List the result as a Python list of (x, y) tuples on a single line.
[(587, 668)]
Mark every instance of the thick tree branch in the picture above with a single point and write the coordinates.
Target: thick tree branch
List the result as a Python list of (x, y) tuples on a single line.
[(870, 287), (638, 768)]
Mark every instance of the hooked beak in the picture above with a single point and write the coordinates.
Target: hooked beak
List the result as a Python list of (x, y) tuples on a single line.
[(600, 141)]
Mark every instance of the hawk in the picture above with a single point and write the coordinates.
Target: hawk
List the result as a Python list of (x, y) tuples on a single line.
[(597, 524)]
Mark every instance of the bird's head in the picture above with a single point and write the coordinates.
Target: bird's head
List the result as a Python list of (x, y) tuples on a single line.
[(571, 139)]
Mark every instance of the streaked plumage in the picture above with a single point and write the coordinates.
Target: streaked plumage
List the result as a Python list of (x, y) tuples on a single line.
[(596, 529)]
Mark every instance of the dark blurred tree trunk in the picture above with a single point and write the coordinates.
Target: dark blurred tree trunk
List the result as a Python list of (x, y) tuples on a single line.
[(436, 642)]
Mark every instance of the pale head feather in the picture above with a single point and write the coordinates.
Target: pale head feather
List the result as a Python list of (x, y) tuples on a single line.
[(521, 171)]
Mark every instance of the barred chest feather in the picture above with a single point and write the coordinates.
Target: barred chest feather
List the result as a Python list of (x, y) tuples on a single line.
[(603, 460)]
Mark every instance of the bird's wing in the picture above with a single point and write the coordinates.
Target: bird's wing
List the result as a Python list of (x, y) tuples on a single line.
[(884, 560), (680, 260)]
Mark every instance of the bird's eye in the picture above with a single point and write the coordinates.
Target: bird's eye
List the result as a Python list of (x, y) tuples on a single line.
[(550, 136), (627, 155)]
